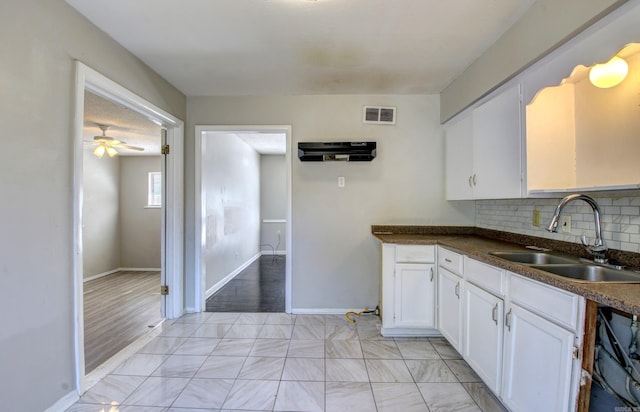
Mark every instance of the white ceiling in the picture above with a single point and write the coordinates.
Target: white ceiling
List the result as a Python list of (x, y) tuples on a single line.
[(292, 47), (124, 125), (266, 143)]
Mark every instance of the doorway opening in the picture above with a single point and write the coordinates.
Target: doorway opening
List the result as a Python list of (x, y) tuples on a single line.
[(243, 218), (123, 251), (122, 223)]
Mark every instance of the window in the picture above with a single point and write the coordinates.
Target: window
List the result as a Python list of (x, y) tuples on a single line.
[(154, 197)]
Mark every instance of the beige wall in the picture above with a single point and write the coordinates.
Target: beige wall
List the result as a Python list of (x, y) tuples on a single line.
[(36, 182), (548, 24), (140, 227), (101, 214), (230, 172), (273, 202), (335, 259)]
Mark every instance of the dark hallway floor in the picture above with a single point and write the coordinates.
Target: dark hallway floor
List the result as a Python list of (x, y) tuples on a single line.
[(258, 288)]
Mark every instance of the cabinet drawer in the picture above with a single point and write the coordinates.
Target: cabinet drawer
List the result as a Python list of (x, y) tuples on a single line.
[(484, 276), (450, 260), (415, 253), (557, 305)]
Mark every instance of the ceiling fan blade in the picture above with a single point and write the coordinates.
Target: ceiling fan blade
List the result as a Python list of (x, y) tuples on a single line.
[(126, 146)]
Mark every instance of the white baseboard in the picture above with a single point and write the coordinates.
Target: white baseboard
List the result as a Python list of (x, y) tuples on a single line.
[(407, 333), (99, 275), (323, 311), (213, 289), (269, 253), (141, 269), (64, 403)]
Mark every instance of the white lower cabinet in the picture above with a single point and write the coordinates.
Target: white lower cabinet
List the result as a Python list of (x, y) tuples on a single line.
[(483, 333), (414, 295), (450, 307), (538, 363), (408, 290), (517, 334)]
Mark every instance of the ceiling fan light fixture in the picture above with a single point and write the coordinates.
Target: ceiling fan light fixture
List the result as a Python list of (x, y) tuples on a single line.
[(99, 151), (609, 74), (111, 151)]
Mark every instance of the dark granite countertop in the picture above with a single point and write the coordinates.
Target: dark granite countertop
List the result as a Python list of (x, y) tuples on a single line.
[(476, 243)]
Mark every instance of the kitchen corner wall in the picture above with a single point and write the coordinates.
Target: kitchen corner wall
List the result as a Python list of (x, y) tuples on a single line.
[(620, 219), (335, 259)]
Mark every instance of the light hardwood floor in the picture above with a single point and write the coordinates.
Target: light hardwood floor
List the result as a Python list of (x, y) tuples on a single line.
[(118, 309)]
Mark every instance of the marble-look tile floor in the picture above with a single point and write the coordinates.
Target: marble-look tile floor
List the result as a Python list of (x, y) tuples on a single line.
[(281, 362)]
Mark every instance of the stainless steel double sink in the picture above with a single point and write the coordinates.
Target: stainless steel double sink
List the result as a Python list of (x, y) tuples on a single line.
[(569, 267)]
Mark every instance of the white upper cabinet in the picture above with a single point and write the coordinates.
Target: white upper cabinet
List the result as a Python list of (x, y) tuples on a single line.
[(459, 159), (483, 150), (497, 147)]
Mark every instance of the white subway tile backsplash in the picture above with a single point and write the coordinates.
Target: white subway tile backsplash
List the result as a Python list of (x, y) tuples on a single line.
[(620, 219)]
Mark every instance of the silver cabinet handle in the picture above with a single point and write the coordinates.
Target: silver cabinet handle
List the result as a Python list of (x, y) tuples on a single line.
[(470, 181), (507, 320), (431, 274), (447, 260), (474, 179), (494, 314), (458, 290)]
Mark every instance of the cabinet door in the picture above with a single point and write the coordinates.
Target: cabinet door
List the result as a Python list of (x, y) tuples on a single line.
[(459, 159), (497, 139), (538, 363), (450, 307), (414, 295), (483, 334)]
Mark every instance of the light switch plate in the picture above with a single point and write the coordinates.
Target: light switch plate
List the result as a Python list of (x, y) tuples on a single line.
[(565, 224), (341, 181)]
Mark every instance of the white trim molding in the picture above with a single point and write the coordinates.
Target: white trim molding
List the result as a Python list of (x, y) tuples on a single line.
[(64, 403), (201, 291), (110, 272), (213, 289), (88, 79)]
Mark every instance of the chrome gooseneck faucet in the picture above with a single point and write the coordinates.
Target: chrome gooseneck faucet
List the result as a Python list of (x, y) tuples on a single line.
[(597, 250)]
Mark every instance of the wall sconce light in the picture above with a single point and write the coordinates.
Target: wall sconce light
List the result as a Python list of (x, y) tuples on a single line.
[(609, 74)]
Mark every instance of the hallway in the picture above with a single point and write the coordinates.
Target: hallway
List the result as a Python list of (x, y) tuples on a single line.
[(258, 288)]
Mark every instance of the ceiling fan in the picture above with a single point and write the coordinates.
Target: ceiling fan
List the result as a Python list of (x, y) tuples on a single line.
[(109, 144)]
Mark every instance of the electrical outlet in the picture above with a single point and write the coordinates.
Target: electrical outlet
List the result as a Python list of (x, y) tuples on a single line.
[(565, 224), (341, 181), (535, 218)]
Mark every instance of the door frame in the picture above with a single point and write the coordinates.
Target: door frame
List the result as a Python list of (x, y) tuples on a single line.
[(173, 226), (200, 220)]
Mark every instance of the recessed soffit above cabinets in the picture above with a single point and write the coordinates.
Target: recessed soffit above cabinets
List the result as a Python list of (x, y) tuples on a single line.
[(580, 135)]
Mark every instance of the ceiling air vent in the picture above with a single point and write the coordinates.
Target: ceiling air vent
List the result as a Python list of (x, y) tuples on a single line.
[(379, 115)]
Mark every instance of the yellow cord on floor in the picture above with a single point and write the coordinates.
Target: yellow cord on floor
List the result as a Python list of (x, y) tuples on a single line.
[(346, 315)]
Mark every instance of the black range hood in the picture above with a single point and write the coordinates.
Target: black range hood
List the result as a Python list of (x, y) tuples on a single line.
[(336, 151)]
